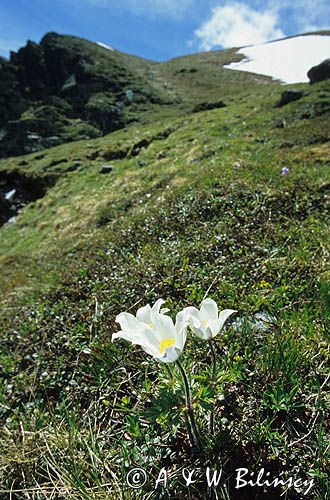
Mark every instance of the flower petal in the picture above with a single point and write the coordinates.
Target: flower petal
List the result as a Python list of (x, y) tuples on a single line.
[(128, 322), (202, 333), (214, 326), (143, 314), (182, 318), (170, 355), (208, 310), (181, 331), (157, 305), (224, 315), (121, 335), (143, 339), (163, 326), (187, 312)]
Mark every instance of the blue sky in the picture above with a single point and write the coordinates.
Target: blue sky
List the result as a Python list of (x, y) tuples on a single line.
[(161, 29)]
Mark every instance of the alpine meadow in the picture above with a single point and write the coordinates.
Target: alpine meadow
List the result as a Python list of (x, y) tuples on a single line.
[(164, 277)]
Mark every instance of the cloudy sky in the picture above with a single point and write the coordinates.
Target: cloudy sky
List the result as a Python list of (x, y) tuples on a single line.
[(161, 29)]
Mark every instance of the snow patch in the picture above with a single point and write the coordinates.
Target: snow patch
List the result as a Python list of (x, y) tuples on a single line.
[(105, 46), (287, 60)]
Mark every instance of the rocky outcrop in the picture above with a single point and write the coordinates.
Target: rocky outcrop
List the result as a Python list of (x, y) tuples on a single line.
[(64, 89), (17, 190), (12, 103), (106, 169), (289, 96), (320, 72), (207, 106), (105, 113)]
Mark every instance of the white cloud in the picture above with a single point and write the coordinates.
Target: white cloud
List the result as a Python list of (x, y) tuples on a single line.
[(236, 25), (307, 15)]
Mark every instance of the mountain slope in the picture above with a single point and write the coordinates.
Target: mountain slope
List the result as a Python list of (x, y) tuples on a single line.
[(67, 88), (230, 202)]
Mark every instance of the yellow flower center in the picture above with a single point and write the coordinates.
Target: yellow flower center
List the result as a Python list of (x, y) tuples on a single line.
[(166, 343), (205, 323), (151, 326)]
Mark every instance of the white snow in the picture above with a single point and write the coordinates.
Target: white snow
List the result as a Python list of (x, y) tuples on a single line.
[(286, 60), (105, 46)]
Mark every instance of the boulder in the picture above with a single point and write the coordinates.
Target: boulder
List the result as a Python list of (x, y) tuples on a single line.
[(75, 165), (17, 189), (5, 210), (289, 96), (102, 112), (320, 72), (69, 83), (207, 106), (106, 169)]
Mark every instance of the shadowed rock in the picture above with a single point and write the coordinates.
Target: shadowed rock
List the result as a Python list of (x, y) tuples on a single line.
[(18, 189), (106, 169), (289, 96), (65, 89), (320, 72)]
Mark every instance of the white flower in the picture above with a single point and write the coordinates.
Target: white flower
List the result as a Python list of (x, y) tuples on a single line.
[(206, 322), (154, 332)]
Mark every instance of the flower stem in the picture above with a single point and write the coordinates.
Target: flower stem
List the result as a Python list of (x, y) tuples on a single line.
[(169, 371), (192, 427), (213, 376)]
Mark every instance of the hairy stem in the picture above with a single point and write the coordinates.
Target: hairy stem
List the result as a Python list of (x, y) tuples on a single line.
[(169, 371), (192, 427), (213, 376)]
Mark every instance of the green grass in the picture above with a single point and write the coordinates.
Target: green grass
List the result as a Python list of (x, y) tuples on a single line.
[(208, 213)]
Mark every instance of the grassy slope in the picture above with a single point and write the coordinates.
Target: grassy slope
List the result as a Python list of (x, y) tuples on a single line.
[(208, 210)]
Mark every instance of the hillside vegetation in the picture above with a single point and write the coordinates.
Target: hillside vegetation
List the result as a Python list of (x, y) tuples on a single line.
[(194, 206)]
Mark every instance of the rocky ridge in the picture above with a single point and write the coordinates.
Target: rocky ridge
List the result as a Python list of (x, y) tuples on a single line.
[(65, 89)]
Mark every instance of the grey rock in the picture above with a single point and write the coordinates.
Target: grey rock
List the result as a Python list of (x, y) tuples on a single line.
[(106, 169), (320, 72), (34, 137), (142, 163), (207, 106), (69, 83), (289, 96), (74, 166), (10, 195), (3, 133), (260, 322), (54, 140)]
